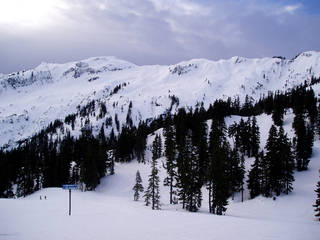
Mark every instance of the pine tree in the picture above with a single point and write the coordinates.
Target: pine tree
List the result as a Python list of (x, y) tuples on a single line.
[(233, 133), (242, 176), (110, 162), (235, 172), (193, 183), (102, 153), (311, 105), (117, 122), (278, 164), (273, 171), (303, 142), (66, 156), (137, 188), (170, 165), (255, 177), (317, 203), (247, 108), (243, 136), (278, 111), (157, 147), (182, 172), (141, 142), (152, 194), (285, 156), (218, 175), (200, 142), (255, 137), (89, 173)]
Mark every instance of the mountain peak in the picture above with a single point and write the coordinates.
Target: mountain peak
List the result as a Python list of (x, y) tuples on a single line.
[(31, 100)]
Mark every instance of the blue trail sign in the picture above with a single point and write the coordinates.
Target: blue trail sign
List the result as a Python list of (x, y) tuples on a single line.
[(69, 187)]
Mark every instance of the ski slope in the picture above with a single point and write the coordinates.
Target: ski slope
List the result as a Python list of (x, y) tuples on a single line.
[(110, 212)]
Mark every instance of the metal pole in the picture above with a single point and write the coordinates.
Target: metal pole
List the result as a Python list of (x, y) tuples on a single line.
[(69, 202)]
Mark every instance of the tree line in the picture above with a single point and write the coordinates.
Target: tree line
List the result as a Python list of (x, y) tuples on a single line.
[(196, 155)]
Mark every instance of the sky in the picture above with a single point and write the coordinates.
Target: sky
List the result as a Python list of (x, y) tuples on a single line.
[(154, 31)]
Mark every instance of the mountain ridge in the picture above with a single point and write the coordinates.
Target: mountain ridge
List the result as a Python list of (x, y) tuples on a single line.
[(32, 99)]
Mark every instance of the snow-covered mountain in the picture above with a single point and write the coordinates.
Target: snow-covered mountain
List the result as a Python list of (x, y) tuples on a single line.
[(30, 100)]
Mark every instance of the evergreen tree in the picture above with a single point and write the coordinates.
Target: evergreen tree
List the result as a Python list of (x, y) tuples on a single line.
[(110, 161), (117, 122), (66, 157), (303, 141), (285, 156), (25, 181), (255, 177), (102, 153), (170, 153), (129, 121), (193, 183), (235, 172), (112, 141), (89, 174), (277, 166), (141, 141), (242, 173), (278, 110), (311, 105), (137, 188), (182, 172), (243, 137), (317, 203), (247, 108), (246, 136), (273, 168), (124, 150), (75, 174), (200, 142), (218, 176), (255, 137), (318, 121), (152, 194), (233, 133), (158, 146)]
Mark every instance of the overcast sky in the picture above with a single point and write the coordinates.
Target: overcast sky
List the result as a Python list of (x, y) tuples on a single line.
[(154, 31)]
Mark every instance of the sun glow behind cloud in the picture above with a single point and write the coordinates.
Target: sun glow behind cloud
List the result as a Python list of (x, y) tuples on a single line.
[(30, 13), (153, 31), (292, 8)]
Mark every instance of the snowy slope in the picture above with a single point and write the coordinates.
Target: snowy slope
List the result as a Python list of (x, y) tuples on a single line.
[(111, 213), (30, 100)]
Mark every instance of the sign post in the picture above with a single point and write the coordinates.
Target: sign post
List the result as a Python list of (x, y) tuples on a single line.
[(69, 187), (69, 202)]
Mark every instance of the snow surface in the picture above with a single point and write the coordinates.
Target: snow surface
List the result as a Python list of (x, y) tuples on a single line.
[(30, 100), (110, 212)]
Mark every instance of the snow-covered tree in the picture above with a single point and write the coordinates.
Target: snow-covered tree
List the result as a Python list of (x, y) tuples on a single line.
[(317, 203), (137, 188)]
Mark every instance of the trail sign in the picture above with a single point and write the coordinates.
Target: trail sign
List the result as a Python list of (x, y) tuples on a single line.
[(69, 187)]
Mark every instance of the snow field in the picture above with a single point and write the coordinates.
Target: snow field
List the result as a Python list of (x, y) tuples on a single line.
[(110, 212)]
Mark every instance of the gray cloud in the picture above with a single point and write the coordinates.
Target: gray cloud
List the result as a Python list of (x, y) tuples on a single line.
[(159, 32)]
